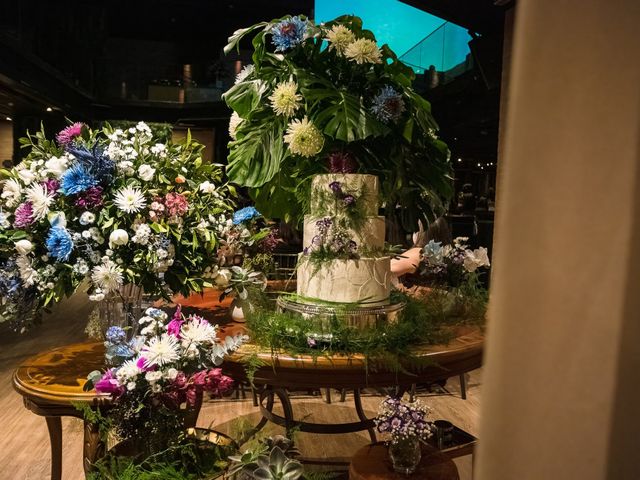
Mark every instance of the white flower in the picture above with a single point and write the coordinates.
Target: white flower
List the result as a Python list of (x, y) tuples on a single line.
[(27, 176), (118, 237), (285, 99), (142, 234), (161, 350), (130, 200), (131, 386), (304, 138), (171, 374), (57, 219), (153, 377), (146, 172), (339, 37), (475, 259), (11, 192), (23, 246), (128, 371), (125, 167), (197, 331), (234, 123), (244, 73), (223, 278), (97, 296), (363, 51), (207, 187), (159, 149), (27, 274), (56, 166), (87, 218), (107, 276), (41, 200)]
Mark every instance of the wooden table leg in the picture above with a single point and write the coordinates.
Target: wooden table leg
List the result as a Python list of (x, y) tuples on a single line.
[(93, 447), (54, 424)]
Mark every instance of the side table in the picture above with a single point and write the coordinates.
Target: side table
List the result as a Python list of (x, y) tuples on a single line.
[(51, 383), (372, 462)]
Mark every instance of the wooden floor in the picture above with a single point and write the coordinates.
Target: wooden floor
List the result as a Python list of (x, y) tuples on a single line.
[(24, 441)]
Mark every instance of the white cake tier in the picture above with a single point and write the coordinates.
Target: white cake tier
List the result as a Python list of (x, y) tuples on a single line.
[(363, 187), (367, 280), (370, 235)]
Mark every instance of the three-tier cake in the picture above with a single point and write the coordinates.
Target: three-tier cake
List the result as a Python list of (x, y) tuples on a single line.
[(344, 222)]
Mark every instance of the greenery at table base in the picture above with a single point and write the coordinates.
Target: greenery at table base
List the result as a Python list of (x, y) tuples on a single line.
[(426, 319), (319, 90)]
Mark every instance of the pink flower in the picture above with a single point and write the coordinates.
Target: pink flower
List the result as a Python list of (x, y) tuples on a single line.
[(23, 215), (212, 381), (51, 184), (141, 364), (108, 384), (176, 203), (69, 134), (174, 326), (90, 198)]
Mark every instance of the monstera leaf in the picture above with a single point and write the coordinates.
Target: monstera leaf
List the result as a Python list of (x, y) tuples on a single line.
[(255, 157)]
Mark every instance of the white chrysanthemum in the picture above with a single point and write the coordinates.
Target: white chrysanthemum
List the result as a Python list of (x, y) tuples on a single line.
[(234, 123), (285, 99), (161, 350), (27, 274), (244, 73), (304, 138), (40, 199), (363, 51), (128, 372), (197, 331), (130, 200), (11, 192), (107, 276), (339, 37), (56, 166)]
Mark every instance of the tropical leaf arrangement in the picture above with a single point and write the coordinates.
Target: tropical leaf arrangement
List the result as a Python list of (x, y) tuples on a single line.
[(321, 97)]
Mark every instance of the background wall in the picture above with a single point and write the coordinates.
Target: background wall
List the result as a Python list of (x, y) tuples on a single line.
[(560, 396), (6, 141)]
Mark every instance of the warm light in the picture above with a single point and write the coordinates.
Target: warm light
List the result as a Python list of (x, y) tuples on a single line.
[(8, 119), (49, 109), (479, 165)]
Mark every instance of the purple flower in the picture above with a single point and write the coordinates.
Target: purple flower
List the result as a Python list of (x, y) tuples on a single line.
[(349, 200), (342, 162), (69, 134), (90, 198), (51, 184), (324, 225), (142, 365), (108, 384), (23, 215), (174, 326), (115, 334), (336, 187), (352, 246), (311, 342)]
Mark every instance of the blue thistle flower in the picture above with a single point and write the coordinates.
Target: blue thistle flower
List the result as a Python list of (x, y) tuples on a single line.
[(245, 214), (77, 179), (288, 33), (59, 243), (95, 161), (388, 104)]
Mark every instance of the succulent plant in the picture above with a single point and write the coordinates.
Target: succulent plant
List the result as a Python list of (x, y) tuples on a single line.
[(272, 461)]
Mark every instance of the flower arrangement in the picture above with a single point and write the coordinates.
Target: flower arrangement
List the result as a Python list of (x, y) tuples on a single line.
[(161, 372), (403, 421), (111, 206), (319, 92), (453, 265)]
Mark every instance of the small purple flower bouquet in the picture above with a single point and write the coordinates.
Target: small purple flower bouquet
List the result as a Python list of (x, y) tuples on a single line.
[(403, 421)]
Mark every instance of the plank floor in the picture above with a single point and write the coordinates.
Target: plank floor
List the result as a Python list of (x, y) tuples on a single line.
[(24, 440)]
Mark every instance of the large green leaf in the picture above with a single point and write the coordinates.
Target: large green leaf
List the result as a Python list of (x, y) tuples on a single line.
[(256, 156), (244, 97), (235, 38)]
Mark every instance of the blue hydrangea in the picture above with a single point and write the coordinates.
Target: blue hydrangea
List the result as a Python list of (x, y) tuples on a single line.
[(115, 334), (245, 214), (288, 33), (59, 243), (77, 179), (156, 313), (388, 104)]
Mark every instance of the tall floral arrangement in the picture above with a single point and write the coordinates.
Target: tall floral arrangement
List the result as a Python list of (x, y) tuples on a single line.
[(321, 96), (110, 206)]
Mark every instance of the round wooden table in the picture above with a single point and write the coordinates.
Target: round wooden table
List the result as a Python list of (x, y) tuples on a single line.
[(51, 382), (372, 462)]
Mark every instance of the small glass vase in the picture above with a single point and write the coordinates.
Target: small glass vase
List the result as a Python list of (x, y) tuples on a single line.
[(122, 308), (405, 455)]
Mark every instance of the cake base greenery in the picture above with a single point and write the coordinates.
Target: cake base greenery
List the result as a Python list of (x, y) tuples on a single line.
[(427, 318)]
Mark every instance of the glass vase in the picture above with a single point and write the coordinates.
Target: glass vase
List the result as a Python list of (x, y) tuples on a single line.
[(122, 308), (405, 455)]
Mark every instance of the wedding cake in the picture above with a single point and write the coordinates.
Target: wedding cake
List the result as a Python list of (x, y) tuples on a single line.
[(343, 259)]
